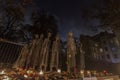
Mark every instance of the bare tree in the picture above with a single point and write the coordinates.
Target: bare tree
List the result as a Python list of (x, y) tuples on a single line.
[(107, 12), (11, 17)]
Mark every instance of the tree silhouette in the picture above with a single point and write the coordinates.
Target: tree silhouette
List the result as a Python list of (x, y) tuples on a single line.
[(44, 23), (11, 17), (108, 12)]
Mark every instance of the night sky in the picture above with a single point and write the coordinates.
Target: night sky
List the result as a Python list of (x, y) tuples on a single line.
[(69, 15)]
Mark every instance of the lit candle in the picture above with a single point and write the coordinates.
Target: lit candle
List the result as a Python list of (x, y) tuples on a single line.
[(25, 76), (41, 72), (2, 72), (82, 73), (59, 71)]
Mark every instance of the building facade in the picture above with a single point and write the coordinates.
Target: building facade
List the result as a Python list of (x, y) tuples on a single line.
[(106, 47), (102, 51)]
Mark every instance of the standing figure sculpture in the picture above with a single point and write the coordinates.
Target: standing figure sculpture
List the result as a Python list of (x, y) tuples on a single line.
[(36, 53), (54, 64), (44, 53), (82, 58), (21, 61), (30, 54), (30, 57), (71, 53)]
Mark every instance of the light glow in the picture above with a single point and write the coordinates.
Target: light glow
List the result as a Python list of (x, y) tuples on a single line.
[(2, 72), (41, 72), (81, 71), (59, 71), (6, 78), (25, 76)]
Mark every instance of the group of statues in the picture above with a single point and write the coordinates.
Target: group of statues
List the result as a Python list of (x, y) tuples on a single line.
[(36, 54)]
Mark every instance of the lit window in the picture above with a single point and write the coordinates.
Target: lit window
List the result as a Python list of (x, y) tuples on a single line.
[(96, 45), (113, 48), (101, 50)]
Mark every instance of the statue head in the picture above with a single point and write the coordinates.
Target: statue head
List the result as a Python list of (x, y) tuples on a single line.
[(41, 36), (57, 37), (49, 35), (36, 36), (70, 34)]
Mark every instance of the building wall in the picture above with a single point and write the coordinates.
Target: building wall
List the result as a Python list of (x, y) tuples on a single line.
[(105, 52), (106, 48)]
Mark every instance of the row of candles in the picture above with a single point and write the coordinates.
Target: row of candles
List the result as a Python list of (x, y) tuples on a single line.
[(41, 73)]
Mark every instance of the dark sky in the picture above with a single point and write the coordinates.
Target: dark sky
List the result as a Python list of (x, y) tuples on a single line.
[(69, 15)]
